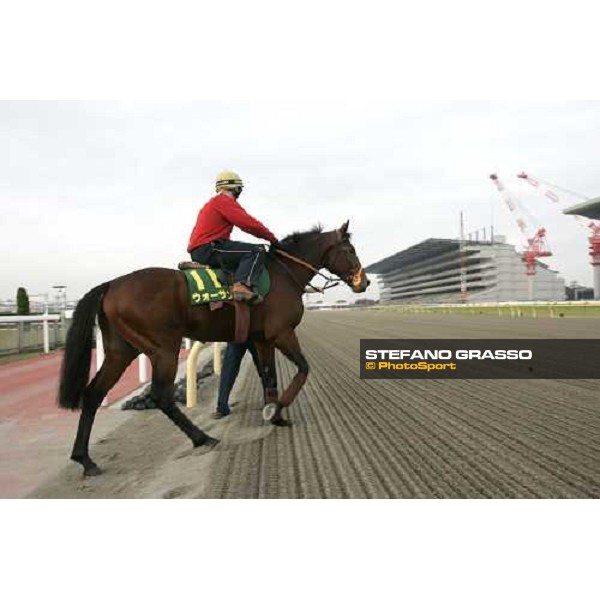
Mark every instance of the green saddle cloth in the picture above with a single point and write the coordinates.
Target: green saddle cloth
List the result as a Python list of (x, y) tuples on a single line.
[(211, 285)]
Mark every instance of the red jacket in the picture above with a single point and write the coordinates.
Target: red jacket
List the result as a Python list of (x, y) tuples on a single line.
[(217, 218)]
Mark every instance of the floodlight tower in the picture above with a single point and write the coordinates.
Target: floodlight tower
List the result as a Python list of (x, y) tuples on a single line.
[(61, 294)]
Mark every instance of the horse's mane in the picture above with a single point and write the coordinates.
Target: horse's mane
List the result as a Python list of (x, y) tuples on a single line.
[(299, 237)]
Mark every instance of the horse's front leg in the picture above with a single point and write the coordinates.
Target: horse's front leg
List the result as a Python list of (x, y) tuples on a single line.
[(288, 343), (263, 354)]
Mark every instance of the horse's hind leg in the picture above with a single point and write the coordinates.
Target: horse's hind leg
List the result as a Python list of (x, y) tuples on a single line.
[(110, 372), (164, 369)]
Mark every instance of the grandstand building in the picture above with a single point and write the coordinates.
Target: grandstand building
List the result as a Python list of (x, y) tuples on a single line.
[(492, 271)]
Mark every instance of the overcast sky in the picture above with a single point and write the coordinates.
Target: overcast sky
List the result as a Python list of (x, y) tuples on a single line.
[(90, 191)]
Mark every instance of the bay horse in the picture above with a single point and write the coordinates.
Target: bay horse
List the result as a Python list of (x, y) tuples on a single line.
[(149, 312)]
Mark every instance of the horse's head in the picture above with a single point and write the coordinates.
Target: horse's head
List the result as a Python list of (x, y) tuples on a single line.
[(340, 258)]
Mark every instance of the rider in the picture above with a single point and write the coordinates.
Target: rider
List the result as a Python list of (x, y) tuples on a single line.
[(210, 244)]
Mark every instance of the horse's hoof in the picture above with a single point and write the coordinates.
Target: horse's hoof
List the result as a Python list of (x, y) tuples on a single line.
[(92, 471), (210, 442), (281, 422), (269, 410), (200, 448)]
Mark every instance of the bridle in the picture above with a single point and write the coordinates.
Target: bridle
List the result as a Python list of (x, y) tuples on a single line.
[(353, 278)]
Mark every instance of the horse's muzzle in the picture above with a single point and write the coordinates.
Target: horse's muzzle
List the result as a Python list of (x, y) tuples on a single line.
[(360, 282)]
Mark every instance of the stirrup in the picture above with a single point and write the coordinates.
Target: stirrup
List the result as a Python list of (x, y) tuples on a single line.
[(245, 294), (248, 299), (258, 299)]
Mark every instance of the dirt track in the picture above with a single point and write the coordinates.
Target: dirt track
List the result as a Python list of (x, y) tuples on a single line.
[(372, 439)]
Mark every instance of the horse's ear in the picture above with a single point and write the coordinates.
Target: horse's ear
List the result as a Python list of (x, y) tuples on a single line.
[(344, 228)]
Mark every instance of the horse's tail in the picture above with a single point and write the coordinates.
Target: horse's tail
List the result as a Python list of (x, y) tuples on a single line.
[(77, 359)]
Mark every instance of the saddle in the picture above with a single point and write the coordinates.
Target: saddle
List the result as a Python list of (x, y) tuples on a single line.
[(191, 264), (207, 285)]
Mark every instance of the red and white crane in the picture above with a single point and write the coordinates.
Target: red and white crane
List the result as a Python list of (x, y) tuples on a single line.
[(593, 227), (536, 244)]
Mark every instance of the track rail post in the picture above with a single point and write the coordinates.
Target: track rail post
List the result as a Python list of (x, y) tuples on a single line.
[(217, 362), (99, 349), (191, 390), (142, 368)]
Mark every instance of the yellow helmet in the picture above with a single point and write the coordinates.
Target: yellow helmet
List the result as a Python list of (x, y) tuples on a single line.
[(228, 180)]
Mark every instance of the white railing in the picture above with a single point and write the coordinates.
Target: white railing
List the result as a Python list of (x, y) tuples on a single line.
[(503, 303), (534, 308), (44, 319)]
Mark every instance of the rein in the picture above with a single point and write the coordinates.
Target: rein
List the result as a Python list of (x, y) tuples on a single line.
[(331, 282)]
